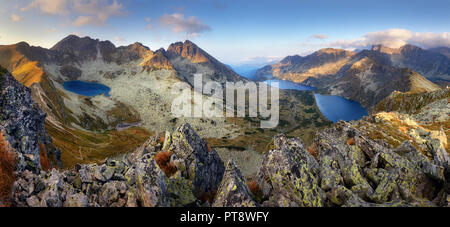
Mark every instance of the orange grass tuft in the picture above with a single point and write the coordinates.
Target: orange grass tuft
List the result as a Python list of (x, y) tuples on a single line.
[(161, 139), (7, 167), (350, 141), (208, 196), (312, 150), (43, 156), (163, 161)]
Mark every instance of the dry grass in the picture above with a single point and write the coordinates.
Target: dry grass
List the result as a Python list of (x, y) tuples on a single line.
[(82, 147), (163, 161), (45, 164), (7, 167), (208, 196), (351, 141), (312, 150), (161, 139)]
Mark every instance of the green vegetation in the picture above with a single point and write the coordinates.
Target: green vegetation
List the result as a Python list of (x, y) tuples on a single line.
[(299, 117)]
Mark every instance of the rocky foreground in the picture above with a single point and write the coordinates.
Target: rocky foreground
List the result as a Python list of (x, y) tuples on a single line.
[(181, 170)]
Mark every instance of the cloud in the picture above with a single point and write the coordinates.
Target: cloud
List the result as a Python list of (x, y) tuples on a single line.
[(96, 12), (176, 22), (320, 36), (16, 18), (53, 7), (85, 12), (431, 40), (395, 38)]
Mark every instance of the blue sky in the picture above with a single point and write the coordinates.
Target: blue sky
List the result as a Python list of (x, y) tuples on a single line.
[(234, 31)]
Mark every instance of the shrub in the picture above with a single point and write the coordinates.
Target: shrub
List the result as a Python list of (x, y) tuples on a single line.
[(163, 161), (7, 167)]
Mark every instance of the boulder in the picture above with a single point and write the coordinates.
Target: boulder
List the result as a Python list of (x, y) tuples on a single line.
[(198, 163), (233, 191), (289, 176)]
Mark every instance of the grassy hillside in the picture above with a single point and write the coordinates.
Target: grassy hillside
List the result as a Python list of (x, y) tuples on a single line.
[(79, 146)]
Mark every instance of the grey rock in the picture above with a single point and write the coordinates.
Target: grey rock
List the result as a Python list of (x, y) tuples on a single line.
[(289, 175), (233, 191)]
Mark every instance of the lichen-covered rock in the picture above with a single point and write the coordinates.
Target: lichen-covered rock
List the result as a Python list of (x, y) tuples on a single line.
[(180, 191), (364, 172), (22, 125), (289, 175), (198, 163), (233, 191), (151, 184), (76, 200)]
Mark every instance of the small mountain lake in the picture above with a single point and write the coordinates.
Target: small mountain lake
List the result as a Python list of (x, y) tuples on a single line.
[(334, 108), (86, 88)]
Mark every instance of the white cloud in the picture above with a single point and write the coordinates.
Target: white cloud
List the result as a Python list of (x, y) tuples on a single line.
[(16, 18), (430, 40), (395, 38), (191, 26), (96, 12), (53, 7), (320, 36), (85, 12)]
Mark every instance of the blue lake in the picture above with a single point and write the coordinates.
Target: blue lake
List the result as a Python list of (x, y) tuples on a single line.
[(86, 88), (334, 108)]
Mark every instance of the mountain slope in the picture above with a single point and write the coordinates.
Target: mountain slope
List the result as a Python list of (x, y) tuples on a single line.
[(369, 82), (321, 64), (432, 65), (367, 76)]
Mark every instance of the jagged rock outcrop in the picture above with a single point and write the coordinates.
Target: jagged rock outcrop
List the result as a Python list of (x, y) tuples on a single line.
[(195, 159), (133, 180), (289, 175), (22, 125), (233, 191), (357, 171)]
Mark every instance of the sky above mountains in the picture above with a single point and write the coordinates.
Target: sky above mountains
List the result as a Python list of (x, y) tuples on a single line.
[(234, 31)]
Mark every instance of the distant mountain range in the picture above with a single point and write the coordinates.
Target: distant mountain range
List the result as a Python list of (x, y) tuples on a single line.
[(366, 76)]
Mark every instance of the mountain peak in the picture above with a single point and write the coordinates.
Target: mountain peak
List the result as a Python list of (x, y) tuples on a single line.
[(333, 51), (76, 42), (189, 50)]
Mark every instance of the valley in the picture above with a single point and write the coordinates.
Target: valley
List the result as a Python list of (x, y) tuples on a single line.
[(90, 87)]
